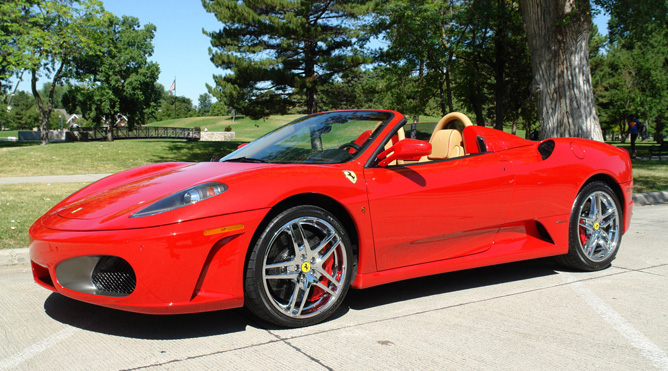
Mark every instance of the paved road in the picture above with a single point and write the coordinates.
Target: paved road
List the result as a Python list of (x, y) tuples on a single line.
[(529, 315)]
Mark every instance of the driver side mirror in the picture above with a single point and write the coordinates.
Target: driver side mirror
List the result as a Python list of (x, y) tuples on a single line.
[(405, 149)]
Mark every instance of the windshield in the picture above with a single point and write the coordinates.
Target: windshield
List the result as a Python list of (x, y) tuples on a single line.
[(323, 138)]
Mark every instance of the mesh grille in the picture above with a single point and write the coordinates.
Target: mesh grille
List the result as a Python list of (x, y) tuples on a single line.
[(115, 275)]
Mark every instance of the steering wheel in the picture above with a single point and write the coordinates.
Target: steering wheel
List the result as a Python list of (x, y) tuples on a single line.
[(352, 145)]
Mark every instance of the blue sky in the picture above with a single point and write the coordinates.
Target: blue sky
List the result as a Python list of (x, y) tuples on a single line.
[(181, 49)]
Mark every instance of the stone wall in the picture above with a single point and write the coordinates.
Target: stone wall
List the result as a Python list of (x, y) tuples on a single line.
[(216, 136), (34, 135)]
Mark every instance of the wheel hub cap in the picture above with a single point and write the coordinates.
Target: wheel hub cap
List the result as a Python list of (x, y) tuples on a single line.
[(599, 225), (304, 267)]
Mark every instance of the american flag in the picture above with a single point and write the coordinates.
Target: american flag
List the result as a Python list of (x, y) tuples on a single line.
[(172, 88)]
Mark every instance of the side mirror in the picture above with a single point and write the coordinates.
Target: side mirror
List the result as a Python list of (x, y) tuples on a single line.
[(405, 149)]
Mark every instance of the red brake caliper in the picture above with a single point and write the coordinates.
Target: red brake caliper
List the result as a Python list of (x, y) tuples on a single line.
[(317, 292)]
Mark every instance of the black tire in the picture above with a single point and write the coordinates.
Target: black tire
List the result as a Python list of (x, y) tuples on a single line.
[(292, 281), (595, 229)]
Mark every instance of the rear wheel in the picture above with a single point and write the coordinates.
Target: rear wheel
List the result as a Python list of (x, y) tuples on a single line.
[(595, 228), (299, 270)]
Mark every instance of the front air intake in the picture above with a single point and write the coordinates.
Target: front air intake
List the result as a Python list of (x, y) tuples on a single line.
[(114, 275)]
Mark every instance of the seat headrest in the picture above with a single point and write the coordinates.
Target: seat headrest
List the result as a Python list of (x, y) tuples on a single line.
[(446, 144)]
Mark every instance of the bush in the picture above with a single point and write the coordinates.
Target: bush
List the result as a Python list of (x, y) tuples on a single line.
[(228, 128)]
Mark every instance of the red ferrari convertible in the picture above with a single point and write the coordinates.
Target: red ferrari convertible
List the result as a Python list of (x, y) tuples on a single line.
[(287, 224)]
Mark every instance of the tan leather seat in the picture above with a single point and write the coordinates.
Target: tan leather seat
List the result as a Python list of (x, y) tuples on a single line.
[(446, 144)]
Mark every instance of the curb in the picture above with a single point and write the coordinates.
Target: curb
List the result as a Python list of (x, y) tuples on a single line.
[(650, 198), (20, 257), (14, 257)]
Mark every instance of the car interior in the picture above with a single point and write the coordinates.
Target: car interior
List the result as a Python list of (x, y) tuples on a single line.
[(446, 138)]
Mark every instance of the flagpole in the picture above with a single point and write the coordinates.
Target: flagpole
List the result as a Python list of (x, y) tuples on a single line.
[(174, 83)]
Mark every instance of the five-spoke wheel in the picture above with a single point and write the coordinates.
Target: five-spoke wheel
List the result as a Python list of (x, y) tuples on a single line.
[(300, 268), (595, 229)]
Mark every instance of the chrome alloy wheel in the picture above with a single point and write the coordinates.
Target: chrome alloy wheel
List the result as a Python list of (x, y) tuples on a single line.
[(599, 226), (304, 268)]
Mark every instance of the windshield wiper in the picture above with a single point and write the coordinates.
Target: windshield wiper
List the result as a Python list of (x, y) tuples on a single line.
[(246, 159)]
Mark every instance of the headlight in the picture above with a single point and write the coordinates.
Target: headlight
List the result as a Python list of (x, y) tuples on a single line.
[(183, 198)]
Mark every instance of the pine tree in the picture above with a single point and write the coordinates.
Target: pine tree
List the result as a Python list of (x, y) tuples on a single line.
[(281, 51)]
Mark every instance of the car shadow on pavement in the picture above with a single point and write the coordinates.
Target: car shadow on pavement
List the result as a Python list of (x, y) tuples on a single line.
[(172, 327), (143, 326), (449, 282)]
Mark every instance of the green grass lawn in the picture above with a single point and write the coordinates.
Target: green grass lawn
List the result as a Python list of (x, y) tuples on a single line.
[(9, 133), (22, 204), (17, 159), (244, 128), (650, 176)]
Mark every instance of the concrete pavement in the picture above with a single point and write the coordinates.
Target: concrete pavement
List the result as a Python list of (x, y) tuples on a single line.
[(529, 315)]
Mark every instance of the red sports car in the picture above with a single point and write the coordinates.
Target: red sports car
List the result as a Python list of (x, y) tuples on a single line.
[(288, 223)]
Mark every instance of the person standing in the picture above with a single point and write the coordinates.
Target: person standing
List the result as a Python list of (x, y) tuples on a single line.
[(634, 129)]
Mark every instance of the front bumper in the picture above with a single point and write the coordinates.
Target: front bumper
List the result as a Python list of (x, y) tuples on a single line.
[(177, 268)]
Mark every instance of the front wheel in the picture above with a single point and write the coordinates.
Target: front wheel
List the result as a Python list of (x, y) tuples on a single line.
[(595, 228), (300, 268)]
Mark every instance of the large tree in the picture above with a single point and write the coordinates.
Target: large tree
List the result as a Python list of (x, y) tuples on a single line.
[(639, 45), (46, 36), (122, 79), (204, 102), (280, 52), (422, 37), (558, 33)]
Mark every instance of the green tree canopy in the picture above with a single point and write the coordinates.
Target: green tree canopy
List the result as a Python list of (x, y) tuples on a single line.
[(122, 79), (175, 107), (632, 77), (281, 50), (44, 37), (204, 103)]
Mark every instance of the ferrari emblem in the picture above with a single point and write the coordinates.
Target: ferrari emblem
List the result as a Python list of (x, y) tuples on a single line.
[(350, 175), (306, 267), (596, 226)]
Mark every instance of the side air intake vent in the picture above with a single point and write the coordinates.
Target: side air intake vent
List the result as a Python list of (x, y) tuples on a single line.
[(546, 149)]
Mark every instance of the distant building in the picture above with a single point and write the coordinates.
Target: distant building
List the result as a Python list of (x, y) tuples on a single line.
[(71, 120), (121, 120)]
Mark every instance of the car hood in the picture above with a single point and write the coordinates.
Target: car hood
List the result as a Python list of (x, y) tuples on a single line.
[(122, 194), (109, 204)]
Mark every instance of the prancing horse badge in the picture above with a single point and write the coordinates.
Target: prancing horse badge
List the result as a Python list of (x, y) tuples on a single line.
[(350, 175)]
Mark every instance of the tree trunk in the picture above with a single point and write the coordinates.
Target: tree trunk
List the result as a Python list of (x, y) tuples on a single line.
[(309, 77), (659, 130), (558, 34), (44, 110), (110, 133), (448, 86), (477, 98), (441, 95), (500, 66)]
